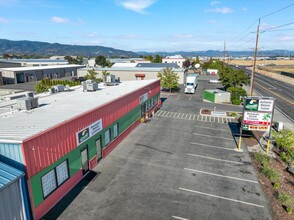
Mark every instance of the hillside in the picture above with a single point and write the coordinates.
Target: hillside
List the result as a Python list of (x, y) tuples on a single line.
[(48, 49)]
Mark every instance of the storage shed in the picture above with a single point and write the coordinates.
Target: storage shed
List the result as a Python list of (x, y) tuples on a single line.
[(217, 96), (64, 138), (12, 204)]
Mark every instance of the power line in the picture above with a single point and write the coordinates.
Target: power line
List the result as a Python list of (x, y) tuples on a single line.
[(283, 25), (277, 11), (288, 29)]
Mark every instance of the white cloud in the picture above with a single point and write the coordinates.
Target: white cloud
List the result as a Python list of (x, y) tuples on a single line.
[(59, 19), (135, 5), (223, 10), (3, 20), (244, 9), (183, 36), (214, 3), (287, 38)]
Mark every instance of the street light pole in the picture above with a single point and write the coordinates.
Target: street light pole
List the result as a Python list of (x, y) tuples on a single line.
[(254, 60)]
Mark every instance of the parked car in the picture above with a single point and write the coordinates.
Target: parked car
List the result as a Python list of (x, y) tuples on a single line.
[(214, 81)]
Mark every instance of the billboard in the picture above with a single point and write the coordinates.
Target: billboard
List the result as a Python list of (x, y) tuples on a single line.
[(257, 113)]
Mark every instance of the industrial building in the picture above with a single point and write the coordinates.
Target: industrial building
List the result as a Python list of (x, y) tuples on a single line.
[(17, 75), (58, 140), (137, 71), (31, 62)]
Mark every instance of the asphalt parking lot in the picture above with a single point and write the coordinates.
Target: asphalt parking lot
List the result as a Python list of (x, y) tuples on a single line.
[(172, 168)]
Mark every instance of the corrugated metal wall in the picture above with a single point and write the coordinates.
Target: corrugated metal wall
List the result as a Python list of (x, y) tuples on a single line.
[(47, 147), (11, 205), (11, 154)]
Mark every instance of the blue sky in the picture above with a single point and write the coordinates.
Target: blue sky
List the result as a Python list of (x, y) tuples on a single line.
[(150, 25)]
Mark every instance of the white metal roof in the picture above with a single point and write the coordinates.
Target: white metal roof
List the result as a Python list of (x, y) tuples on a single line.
[(28, 68), (57, 108)]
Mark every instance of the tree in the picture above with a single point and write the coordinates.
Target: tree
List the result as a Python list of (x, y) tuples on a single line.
[(157, 59), (91, 74), (197, 60), (186, 63), (149, 57), (101, 61), (168, 79), (105, 74), (233, 78)]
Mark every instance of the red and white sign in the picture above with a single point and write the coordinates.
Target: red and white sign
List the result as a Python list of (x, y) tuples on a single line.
[(257, 118)]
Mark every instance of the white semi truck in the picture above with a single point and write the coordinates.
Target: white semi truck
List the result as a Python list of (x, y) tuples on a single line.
[(191, 83)]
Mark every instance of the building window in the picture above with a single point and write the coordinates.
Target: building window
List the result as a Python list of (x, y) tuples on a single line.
[(49, 183), (107, 137), (115, 130), (62, 172)]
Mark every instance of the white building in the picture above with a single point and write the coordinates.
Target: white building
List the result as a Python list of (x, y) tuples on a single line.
[(178, 59)]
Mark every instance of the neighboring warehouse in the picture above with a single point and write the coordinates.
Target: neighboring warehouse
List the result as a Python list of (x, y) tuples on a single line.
[(57, 143), (31, 62), (17, 75), (177, 59), (137, 71), (13, 198)]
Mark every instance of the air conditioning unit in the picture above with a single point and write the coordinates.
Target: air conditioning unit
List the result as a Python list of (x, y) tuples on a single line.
[(27, 103), (91, 86), (30, 95), (59, 88)]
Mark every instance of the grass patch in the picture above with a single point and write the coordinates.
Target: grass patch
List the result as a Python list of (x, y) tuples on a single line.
[(271, 174), (286, 201), (262, 159)]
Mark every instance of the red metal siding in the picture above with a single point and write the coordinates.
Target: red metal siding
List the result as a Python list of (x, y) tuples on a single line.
[(55, 197), (47, 147)]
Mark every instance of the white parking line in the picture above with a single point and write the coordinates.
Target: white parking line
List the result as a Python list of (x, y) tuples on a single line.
[(194, 117), (202, 117), (178, 115), (212, 158), (214, 174), (186, 116), (221, 197), (163, 113), (206, 145), (198, 116), (190, 117), (180, 218), (178, 97), (182, 116), (159, 113), (204, 135), (212, 128), (190, 98)]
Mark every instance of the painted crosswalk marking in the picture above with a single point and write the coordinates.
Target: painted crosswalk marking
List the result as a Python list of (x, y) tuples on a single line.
[(192, 117)]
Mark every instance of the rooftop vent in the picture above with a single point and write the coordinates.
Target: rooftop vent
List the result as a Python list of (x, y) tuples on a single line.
[(89, 85)]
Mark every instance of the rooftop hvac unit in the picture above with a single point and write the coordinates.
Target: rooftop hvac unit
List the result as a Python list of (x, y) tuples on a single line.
[(30, 95), (91, 86), (110, 78), (27, 103), (59, 88)]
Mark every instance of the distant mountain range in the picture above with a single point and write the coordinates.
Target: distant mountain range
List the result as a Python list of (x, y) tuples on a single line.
[(216, 53), (48, 49)]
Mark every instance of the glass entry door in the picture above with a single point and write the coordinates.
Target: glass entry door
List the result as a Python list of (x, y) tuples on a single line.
[(99, 149), (85, 160)]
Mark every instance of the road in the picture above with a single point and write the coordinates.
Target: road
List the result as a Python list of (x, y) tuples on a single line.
[(283, 92)]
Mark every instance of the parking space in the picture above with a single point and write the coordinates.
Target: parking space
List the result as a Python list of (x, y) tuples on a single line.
[(177, 166)]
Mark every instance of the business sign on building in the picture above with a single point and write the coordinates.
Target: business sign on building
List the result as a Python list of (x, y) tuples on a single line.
[(89, 131), (257, 113)]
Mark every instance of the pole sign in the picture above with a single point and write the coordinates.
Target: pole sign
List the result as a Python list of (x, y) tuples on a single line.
[(257, 113)]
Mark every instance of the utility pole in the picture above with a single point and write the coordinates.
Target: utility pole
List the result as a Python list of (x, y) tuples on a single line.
[(254, 60)]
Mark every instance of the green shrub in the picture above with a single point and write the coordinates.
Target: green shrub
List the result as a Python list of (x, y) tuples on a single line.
[(289, 210), (276, 185), (234, 114), (236, 101), (236, 93), (271, 174), (285, 199), (262, 159)]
